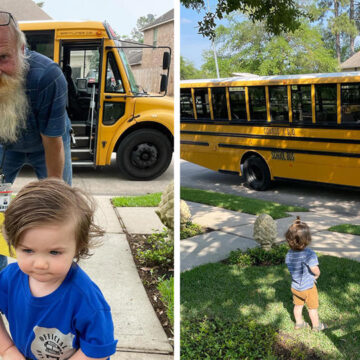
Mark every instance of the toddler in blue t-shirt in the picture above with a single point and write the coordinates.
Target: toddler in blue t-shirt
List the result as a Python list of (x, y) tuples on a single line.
[(53, 308), (303, 265)]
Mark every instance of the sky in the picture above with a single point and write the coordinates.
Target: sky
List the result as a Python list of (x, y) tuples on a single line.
[(192, 44), (122, 15)]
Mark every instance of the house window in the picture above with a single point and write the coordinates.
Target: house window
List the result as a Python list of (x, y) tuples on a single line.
[(155, 34)]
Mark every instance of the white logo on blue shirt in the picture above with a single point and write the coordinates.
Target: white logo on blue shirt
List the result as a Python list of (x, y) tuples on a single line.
[(51, 343)]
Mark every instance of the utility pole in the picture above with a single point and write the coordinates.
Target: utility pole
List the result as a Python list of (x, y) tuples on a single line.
[(214, 49)]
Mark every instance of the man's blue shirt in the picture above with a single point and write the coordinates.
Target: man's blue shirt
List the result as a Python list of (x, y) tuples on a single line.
[(74, 316), (299, 263), (46, 89)]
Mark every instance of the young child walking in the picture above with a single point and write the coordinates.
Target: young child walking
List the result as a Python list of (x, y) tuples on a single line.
[(303, 265), (53, 308)]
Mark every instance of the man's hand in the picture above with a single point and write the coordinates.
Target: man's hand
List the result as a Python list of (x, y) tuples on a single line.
[(54, 155), (12, 353)]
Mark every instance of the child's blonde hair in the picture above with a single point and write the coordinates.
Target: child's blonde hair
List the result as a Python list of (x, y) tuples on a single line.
[(52, 201), (298, 235)]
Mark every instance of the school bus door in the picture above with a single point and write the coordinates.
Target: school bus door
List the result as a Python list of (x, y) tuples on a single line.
[(116, 104)]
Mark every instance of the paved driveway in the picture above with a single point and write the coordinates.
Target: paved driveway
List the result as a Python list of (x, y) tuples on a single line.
[(105, 181)]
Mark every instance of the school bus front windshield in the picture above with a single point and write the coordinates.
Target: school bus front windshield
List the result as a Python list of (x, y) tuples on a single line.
[(134, 87)]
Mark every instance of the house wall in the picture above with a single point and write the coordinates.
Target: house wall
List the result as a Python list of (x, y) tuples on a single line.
[(148, 75)]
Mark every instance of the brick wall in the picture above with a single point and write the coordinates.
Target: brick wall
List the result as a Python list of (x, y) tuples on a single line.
[(148, 74)]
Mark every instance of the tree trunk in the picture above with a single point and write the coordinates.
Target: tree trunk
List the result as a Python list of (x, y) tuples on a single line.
[(337, 34), (352, 39)]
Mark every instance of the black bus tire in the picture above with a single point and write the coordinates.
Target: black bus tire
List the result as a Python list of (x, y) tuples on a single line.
[(256, 173), (144, 154)]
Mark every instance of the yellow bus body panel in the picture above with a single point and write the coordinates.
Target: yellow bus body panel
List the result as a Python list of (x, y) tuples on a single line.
[(68, 29), (143, 109), (293, 165)]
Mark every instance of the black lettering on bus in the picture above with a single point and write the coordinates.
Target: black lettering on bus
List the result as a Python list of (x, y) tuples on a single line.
[(283, 155)]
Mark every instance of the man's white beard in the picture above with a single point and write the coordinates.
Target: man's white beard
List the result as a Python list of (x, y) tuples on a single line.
[(14, 105)]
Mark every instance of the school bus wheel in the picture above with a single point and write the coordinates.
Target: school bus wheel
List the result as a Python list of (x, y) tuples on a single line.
[(256, 173), (144, 154)]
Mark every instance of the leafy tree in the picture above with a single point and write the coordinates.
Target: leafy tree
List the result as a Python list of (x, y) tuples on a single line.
[(340, 25), (188, 70), (40, 4), (136, 33), (277, 15), (244, 46)]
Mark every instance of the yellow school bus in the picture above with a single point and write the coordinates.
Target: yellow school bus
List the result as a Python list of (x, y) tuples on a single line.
[(299, 127), (109, 112)]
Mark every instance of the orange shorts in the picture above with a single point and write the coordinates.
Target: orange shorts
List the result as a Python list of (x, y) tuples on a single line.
[(308, 297)]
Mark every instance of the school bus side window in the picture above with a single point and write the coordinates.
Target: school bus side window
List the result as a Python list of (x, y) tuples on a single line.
[(186, 104), (219, 103), (257, 103), (350, 104), (326, 104), (113, 83), (279, 108), (41, 42), (301, 104), (237, 104), (202, 103)]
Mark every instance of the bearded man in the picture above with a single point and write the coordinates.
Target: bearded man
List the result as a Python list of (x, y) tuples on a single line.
[(34, 126)]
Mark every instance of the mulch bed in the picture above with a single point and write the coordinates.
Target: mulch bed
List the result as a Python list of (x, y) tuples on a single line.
[(149, 277)]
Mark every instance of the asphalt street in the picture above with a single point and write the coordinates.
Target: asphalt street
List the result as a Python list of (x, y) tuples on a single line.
[(105, 181), (322, 198)]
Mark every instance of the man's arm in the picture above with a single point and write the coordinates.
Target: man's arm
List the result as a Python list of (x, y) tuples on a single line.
[(54, 155), (8, 350)]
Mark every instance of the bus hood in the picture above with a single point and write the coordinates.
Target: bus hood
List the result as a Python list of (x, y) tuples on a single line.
[(155, 109), (164, 103)]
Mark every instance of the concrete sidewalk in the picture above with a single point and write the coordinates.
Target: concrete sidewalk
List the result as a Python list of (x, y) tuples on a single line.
[(137, 328), (234, 230)]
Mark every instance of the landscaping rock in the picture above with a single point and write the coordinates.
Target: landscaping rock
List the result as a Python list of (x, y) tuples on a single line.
[(265, 231), (185, 214), (165, 210)]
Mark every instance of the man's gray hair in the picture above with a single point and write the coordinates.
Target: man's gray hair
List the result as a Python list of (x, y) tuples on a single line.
[(19, 36)]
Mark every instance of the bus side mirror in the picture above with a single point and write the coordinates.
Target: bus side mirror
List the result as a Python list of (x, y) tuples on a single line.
[(163, 83), (166, 60)]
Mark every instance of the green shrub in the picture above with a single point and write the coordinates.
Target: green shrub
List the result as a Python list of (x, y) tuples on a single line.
[(220, 339), (190, 229), (166, 288), (258, 256), (239, 258), (161, 251)]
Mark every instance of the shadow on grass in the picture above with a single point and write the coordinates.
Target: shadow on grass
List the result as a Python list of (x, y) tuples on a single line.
[(263, 293), (238, 203)]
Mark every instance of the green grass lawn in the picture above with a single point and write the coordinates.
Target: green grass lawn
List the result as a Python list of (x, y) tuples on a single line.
[(148, 200), (230, 293), (346, 229), (238, 203)]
